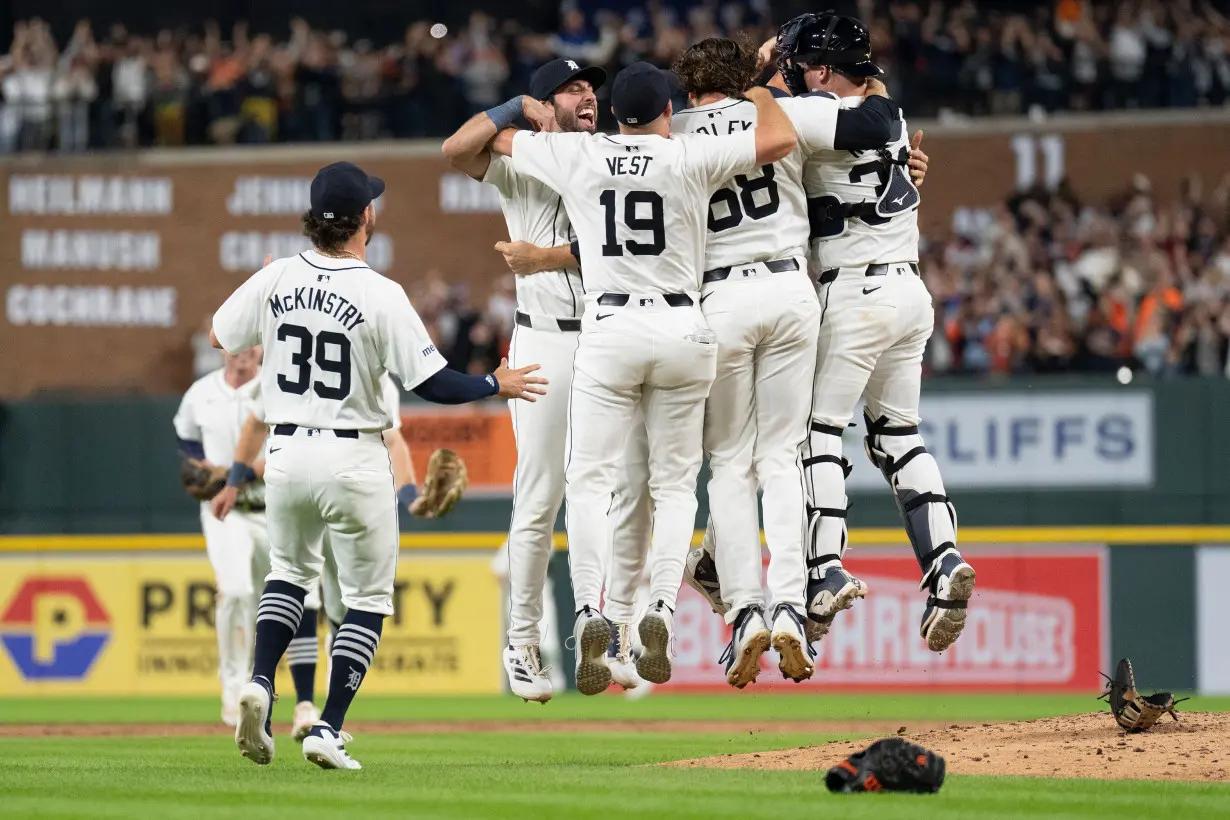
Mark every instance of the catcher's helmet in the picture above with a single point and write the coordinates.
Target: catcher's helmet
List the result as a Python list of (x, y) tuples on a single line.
[(824, 39)]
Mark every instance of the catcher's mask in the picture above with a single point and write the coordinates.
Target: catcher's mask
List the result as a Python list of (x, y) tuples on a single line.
[(825, 39)]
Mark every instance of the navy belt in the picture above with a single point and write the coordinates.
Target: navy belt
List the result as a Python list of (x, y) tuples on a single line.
[(250, 506), (872, 270), (775, 266), (621, 299), (566, 325), (290, 429)]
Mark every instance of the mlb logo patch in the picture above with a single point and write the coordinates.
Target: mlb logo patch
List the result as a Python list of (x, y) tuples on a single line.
[(647, 303)]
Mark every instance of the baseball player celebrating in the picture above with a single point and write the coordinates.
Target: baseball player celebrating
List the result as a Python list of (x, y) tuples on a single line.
[(877, 317), (330, 327), (760, 302), (208, 426), (548, 324), (638, 203)]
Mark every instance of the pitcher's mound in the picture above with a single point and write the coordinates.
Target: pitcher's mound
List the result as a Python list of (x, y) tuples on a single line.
[(1092, 745)]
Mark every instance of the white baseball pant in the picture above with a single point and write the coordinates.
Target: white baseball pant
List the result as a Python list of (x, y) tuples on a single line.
[(642, 355), (316, 481), (755, 426), (873, 335), (540, 429)]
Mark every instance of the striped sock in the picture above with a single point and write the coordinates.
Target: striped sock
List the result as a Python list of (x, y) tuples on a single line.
[(277, 620), (302, 657), (354, 646)]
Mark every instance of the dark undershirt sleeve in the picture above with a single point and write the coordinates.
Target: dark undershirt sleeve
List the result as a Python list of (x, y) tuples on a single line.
[(867, 127), (448, 386)]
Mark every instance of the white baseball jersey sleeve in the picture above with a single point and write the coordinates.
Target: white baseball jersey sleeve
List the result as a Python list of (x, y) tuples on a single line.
[(330, 329), (834, 177), (638, 203), (534, 213), (754, 217)]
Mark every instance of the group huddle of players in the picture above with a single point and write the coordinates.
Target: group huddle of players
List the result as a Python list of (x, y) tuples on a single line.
[(727, 280)]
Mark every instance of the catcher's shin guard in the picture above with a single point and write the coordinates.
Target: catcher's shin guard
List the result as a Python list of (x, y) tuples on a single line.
[(830, 589), (929, 518), (825, 471)]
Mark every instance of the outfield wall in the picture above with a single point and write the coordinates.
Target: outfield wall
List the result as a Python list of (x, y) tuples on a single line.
[(132, 615)]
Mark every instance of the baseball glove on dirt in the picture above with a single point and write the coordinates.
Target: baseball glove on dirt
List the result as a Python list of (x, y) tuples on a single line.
[(1133, 711), (200, 480), (890, 765), (446, 480)]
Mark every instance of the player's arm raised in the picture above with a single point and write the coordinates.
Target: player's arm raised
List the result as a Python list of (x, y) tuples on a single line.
[(775, 137), (467, 149)]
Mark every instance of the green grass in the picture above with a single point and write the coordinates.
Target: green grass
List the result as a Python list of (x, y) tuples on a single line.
[(749, 705), (538, 775)]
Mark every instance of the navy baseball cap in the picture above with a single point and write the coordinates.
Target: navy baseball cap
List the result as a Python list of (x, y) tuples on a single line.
[(641, 93), (342, 189), (556, 74)]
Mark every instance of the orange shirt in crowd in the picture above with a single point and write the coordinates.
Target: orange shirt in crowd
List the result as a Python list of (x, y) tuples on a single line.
[(1169, 297)]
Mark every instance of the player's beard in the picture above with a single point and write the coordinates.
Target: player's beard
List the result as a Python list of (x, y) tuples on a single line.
[(370, 230), (568, 123)]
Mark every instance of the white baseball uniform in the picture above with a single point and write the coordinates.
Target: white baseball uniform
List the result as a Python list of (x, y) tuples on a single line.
[(331, 328), (877, 318), (331, 591), (760, 301), (213, 413), (546, 330), (638, 205)]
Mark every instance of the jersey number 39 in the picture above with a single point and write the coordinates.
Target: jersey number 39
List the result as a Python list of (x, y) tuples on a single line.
[(331, 352)]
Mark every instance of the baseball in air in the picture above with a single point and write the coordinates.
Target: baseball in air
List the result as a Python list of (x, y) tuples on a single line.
[(1124, 375), (439, 30)]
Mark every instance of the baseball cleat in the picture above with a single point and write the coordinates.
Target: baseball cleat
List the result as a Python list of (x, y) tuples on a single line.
[(305, 716), (527, 678), (654, 662), (252, 734), (794, 657), (619, 658), (700, 573), (835, 591), (748, 641), (327, 748), (592, 636), (951, 582)]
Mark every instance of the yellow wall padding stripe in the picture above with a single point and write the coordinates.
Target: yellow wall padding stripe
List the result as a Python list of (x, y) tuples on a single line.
[(1116, 535)]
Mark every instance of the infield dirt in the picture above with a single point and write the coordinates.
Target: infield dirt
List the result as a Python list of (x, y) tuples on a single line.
[(1085, 746)]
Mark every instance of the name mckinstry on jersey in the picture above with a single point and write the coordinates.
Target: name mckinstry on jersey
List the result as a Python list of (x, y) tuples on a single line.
[(330, 328), (834, 177)]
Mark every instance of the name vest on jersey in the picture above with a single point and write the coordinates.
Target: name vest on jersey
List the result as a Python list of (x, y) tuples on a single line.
[(308, 298)]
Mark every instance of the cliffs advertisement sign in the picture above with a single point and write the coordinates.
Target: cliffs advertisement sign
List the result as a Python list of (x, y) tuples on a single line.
[(1037, 622)]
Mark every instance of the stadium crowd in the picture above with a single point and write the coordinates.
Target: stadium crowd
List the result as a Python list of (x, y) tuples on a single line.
[(1046, 284), (947, 57)]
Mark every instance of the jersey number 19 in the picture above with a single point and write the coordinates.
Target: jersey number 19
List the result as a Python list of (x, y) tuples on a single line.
[(654, 224)]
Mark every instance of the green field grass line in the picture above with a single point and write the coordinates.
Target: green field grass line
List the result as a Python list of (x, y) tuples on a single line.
[(743, 706), (479, 776)]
